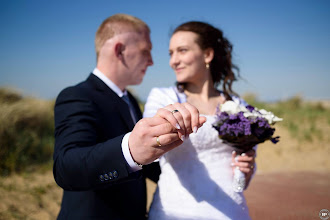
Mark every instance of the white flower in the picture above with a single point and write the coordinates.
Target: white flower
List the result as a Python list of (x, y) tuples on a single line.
[(269, 116), (253, 114), (231, 107)]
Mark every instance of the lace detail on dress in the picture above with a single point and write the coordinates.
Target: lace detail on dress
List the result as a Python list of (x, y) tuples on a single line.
[(196, 180)]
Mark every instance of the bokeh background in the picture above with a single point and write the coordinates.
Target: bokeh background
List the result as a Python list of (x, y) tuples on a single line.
[(281, 47)]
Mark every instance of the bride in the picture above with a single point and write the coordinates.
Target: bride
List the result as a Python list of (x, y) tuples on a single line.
[(196, 178)]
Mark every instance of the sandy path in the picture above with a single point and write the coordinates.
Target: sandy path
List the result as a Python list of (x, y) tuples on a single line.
[(299, 195), (292, 195)]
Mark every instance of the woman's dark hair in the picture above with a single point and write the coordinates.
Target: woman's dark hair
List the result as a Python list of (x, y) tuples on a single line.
[(221, 67)]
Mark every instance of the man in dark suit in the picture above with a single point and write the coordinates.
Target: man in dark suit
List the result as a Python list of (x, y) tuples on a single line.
[(99, 150)]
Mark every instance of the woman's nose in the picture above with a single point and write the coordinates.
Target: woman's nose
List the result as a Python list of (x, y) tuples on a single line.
[(174, 60)]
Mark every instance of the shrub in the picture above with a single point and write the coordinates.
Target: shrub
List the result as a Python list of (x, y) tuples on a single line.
[(26, 131), (305, 120)]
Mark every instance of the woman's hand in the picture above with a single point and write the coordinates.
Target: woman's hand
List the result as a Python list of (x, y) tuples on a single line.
[(246, 164), (183, 116)]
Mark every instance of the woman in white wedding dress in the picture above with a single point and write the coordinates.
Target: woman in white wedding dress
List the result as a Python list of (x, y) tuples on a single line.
[(196, 178)]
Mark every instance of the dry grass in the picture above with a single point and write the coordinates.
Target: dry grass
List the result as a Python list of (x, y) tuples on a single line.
[(304, 146), (26, 131), (29, 196), (36, 196)]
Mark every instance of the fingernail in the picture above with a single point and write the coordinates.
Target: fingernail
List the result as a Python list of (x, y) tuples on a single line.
[(182, 138), (177, 126), (233, 152), (232, 164), (195, 129), (243, 154)]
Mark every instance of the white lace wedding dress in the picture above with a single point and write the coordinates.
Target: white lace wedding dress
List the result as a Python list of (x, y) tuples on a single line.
[(196, 178)]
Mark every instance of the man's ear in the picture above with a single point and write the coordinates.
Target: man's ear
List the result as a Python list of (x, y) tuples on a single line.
[(208, 55), (119, 48)]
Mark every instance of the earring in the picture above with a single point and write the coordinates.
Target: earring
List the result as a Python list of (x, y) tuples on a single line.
[(207, 66)]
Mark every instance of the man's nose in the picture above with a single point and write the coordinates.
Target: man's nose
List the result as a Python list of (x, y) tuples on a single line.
[(150, 61)]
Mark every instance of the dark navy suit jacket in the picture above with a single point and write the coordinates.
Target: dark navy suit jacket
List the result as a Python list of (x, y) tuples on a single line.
[(90, 123)]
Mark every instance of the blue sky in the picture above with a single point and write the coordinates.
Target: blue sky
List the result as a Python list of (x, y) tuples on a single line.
[(281, 47)]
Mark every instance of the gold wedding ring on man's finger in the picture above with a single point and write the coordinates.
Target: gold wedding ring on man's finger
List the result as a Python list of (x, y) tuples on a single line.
[(174, 111), (158, 142)]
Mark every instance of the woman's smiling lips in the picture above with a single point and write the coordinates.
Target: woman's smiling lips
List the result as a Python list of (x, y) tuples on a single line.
[(179, 69)]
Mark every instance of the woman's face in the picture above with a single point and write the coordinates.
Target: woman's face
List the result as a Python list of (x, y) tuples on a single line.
[(186, 57)]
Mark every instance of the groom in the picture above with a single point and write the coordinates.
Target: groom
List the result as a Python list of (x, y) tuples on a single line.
[(99, 150)]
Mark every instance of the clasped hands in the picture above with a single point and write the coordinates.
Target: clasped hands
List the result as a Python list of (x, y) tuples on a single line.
[(152, 137)]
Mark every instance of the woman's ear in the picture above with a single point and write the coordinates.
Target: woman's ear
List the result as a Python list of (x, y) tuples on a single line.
[(208, 55)]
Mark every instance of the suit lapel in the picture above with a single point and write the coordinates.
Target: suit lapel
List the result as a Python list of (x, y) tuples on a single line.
[(110, 96)]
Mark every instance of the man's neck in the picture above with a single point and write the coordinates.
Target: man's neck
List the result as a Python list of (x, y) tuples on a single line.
[(112, 85), (110, 74)]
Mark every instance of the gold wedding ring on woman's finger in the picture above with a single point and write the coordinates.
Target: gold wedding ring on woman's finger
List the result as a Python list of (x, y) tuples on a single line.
[(158, 142), (174, 111), (252, 166)]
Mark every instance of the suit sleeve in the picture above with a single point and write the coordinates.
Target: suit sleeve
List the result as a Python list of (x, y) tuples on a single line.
[(81, 161)]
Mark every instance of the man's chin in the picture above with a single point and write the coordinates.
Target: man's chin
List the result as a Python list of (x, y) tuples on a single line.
[(137, 83)]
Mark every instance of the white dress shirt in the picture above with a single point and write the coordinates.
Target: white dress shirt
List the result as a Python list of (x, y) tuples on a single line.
[(124, 143)]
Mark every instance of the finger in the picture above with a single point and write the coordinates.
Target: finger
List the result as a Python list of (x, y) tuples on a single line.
[(153, 121), (243, 164), (153, 127), (186, 115), (194, 115), (245, 170), (202, 120), (166, 114), (166, 139), (233, 156), (160, 150), (162, 129), (175, 111), (166, 148), (245, 158)]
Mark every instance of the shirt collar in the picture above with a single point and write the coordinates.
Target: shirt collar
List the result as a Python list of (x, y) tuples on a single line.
[(109, 83)]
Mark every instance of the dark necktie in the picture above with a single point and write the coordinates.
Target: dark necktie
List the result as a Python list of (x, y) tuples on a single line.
[(132, 110)]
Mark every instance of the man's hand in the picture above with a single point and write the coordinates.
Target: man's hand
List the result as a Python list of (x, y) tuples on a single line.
[(152, 137)]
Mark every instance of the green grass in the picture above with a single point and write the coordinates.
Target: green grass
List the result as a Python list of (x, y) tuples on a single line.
[(306, 121)]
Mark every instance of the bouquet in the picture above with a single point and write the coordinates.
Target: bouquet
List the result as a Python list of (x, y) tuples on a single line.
[(243, 127)]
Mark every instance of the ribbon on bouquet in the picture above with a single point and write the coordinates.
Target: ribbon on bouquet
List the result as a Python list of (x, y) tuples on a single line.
[(239, 181)]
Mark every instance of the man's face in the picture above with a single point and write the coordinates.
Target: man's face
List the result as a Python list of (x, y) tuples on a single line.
[(137, 57)]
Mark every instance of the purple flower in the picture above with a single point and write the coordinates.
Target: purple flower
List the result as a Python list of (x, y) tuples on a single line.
[(243, 132), (250, 108)]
